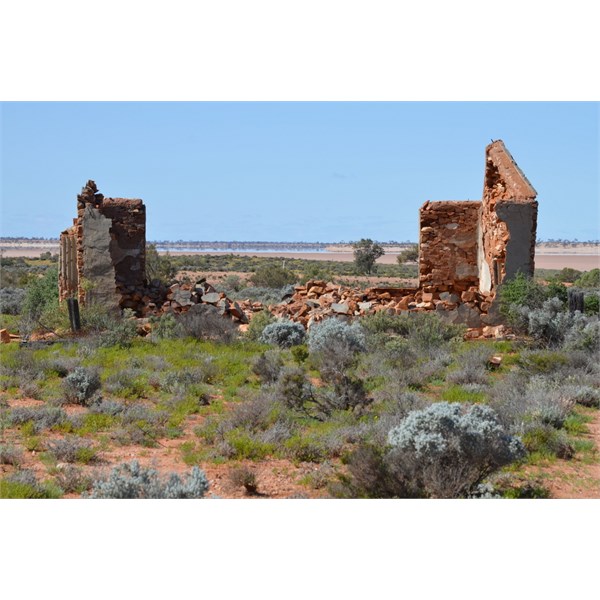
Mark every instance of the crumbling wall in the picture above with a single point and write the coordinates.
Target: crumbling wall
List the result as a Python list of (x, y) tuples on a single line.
[(98, 269), (103, 255), (448, 246), (127, 246), (508, 220)]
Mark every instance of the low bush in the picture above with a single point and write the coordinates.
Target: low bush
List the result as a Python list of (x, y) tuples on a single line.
[(585, 338), (520, 291), (44, 417), (372, 475), (72, 449), (268, 366), (205, 322), (81, 385), (106, 328), (304, 449), (165, 327), (61, 365), (446, 450), (11, 300), (24, 485), (10, 455), (130, 481), (72, 479), (525, 403), (273, 276), (284, 334), (107, 407), (472, 367), (547, 442), (537, 362), (244, 477), (322, 336), (333, 345), (589, 279), (296, 393), (265, 295), (586, 395), (127, 383), (258, 322), (239, 444), (592, 304)]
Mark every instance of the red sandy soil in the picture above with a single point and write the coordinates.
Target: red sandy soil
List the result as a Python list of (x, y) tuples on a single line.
[(276, 478), (574, 478)]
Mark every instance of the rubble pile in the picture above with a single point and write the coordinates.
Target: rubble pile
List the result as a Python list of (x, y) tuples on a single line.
[(318, 300)]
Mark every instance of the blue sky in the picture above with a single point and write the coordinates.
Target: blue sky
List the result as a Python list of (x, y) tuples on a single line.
[(291, 171)]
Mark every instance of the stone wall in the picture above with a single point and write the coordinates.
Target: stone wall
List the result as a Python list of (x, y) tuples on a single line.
[(102, 256), (508, 220), (448, 246), (467, 249)]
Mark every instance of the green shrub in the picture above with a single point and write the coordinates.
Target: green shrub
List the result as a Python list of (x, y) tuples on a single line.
[(568, 275), (24, 485), (41, 295), (165, 327), (522, 291), (547, 442), (245, 446), (303, 449), (273, 276), (299, 353), (258, 322), (591, 304), (159, 267), (72, 449), (542, 361), (556, 289), (590, 279)]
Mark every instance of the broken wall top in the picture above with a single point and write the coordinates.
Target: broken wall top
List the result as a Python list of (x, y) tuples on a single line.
[(504, 180)]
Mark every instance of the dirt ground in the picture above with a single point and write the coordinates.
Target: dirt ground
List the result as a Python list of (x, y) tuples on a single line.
[(574, 478)]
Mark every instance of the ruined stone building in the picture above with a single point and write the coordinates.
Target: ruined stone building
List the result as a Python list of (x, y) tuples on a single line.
[(474, 246), (103, 255), (466, 249)]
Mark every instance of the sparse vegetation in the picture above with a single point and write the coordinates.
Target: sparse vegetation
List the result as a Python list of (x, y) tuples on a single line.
[(327, 406)]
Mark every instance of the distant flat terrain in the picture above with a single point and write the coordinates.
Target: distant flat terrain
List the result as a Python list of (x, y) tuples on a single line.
[(548, 256)]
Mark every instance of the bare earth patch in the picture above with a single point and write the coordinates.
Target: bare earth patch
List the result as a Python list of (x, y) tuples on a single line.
[(575, 478)]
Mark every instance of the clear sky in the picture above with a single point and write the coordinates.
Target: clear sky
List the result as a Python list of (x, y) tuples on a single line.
[(291, 171)]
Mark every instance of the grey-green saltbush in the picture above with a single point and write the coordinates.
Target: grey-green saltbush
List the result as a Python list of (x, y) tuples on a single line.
[(80, 385), (41, 418), (448, 449), (334, 332), (284, 334), (525, 403), (11, 300), (130, 481)]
